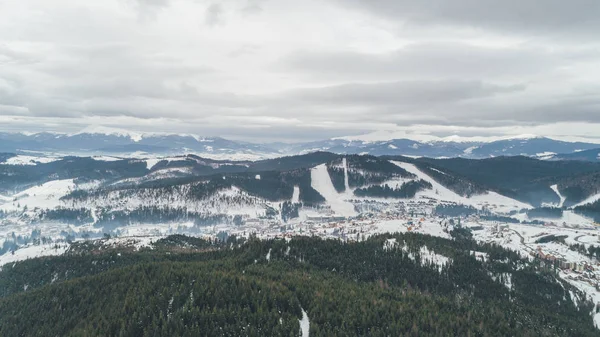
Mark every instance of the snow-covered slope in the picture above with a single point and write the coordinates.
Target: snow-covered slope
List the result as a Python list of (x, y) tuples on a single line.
[(296, 195), (43, 196), (321, 182), (589, 200), (29, 160), (440, 192), (562, 198)]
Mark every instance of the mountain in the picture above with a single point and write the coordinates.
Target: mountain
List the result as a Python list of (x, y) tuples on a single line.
[(504, 238), (585, 155), (540, 147), (119, 142), (99, 140)]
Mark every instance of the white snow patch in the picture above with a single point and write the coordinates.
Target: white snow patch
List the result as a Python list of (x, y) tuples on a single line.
[(346, 183), (470, 150), (106, 158), (150, 163), (390, 244), (304, 324), (268, 257), (480, 256), (432, 257), (296, 195), (545, 155), (43, 196), (29, 160), (33, 251)]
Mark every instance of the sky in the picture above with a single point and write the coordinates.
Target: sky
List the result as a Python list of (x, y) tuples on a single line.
[(283, 70)]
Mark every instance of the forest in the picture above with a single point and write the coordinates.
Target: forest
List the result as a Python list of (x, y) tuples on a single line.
[(407, 190), (383, 286)]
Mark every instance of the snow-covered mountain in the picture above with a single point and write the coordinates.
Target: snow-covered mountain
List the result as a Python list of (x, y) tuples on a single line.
[(121, 142), (540, 147), (100, 140)]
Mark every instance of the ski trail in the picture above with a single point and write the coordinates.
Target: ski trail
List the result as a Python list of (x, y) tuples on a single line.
[(562, 199), (441, 192), (296, 195), (321, 182), (304, 324), (346, 183)]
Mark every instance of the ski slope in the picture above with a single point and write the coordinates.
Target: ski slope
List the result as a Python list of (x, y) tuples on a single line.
[(321, 182), (589, 200), (43, 196), (346, 183), (562, 199), (304, 324), (296, 195), (440, 192)]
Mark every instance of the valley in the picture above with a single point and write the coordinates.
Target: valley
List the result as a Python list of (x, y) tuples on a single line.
[(312, 195)]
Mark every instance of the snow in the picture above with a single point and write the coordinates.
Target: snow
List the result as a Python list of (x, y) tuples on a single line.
[(440, 192), (438, 171), (401, 226), (346, 183), (545, 155), (268, 257), (108, 131), (589, 200), (106, 158), (388, 135), (44, 196), (296, 195), (562, 199), (29, 160), (589, 290), (426, 256), (304, 324), (33, 251), (470, 150), (150, 163), (390, 244), (480, 256), (432, 257), (569, 218), (321, 182)]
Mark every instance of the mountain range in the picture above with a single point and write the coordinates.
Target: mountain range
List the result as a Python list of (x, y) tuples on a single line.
[(101, 140)]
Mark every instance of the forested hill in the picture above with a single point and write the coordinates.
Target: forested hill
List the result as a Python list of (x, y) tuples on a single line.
[(522, 178), (390, 285)]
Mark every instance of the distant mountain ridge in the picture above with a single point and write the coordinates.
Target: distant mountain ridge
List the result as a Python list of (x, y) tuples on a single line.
[(121, 142)]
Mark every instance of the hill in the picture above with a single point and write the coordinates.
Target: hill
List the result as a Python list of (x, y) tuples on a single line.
[(403, 284)]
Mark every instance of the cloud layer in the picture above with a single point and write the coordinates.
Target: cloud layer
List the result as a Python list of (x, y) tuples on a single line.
[(287, 70)]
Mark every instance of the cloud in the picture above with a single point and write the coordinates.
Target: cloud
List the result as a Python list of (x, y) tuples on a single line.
[(555, 18), (253, 7), (214, 15), (303, 70), (404, 93), (434, 60)]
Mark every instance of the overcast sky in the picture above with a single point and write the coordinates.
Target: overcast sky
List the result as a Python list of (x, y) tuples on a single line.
[(287, 70)]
